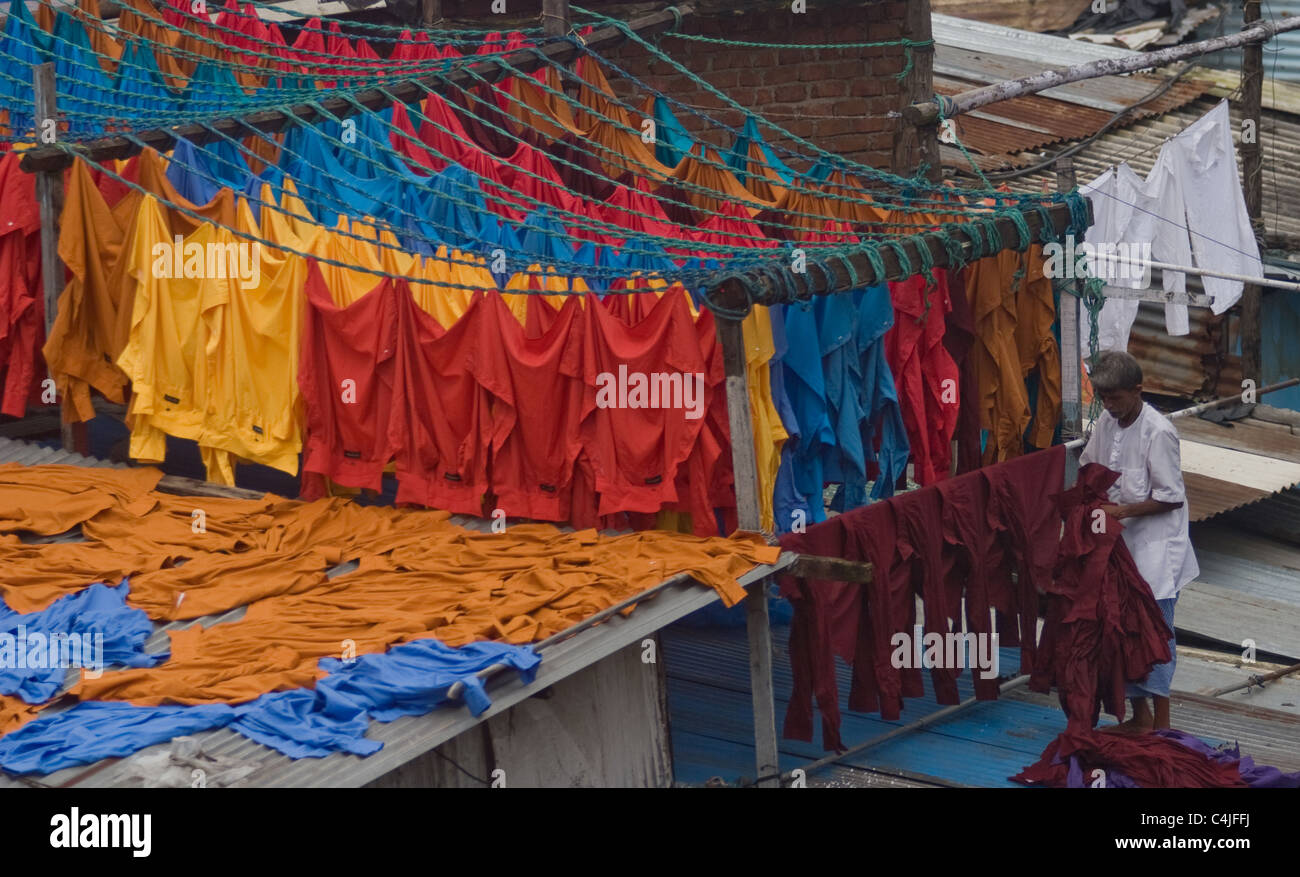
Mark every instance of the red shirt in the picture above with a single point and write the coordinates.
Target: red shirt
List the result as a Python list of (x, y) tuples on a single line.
[(446, 382), (635, 452), (347, 374), (532, 471)]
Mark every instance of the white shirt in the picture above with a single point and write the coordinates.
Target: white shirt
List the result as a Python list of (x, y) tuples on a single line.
[(1204, 162), (1146, 455)]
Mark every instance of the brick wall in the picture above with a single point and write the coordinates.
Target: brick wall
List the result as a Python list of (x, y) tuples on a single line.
[(838, 99)]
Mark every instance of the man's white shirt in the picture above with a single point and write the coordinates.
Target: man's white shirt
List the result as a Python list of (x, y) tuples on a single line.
[(1146, 456)]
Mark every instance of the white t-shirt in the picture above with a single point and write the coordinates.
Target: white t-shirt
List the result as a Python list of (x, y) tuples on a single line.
[(1146, 456)]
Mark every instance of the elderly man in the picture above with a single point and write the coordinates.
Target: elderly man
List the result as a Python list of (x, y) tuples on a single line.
[(1139, 443)]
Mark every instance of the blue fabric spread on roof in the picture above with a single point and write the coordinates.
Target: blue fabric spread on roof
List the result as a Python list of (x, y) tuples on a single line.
[(93, 628), (408, 680), (93, 730)]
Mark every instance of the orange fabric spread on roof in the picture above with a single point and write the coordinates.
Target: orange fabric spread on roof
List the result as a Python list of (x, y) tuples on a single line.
[(57, 497), (518, 586), (420, 576)]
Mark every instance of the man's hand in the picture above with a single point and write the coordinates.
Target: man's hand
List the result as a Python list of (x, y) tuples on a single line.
[(1118, 512)]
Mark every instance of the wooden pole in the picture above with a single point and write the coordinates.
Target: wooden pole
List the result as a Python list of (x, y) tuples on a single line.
[(918, 85), (927, 112), (430, 12), (1252, 93), (1071, 377), (745, 467), (555, 18), (49, 195)]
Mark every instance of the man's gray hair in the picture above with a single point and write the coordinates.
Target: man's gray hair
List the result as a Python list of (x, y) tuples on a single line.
[(1115, 370)]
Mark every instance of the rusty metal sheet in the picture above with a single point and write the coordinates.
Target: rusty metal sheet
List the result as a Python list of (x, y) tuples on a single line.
[(1207, 497)]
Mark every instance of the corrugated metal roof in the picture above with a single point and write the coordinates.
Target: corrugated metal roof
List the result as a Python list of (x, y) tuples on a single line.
[(408, 737), (969, 54), (1035, 48), (1221, 478), (1202, 672), (1248, 589), (1277, 516)]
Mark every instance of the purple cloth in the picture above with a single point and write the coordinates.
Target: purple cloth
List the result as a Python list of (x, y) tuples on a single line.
[(1257, 776)]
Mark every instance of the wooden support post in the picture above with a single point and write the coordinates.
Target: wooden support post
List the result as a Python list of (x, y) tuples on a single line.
[(745, 465), (918, 86), (49, 195), (1071, 377), (555, 17), (1252, 85), (430, 12)]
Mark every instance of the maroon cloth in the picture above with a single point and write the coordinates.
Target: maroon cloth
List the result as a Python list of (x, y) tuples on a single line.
[(919, 543), (921, 549), (1103, 626), (1022, 510), (973, 557), (958, 339), (1151, 761), (826, 615)]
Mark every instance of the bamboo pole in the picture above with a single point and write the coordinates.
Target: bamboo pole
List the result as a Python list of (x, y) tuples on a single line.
[(927, 112)]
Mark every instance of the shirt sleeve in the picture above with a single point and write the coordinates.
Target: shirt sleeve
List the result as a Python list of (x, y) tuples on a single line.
[(1165, 466)]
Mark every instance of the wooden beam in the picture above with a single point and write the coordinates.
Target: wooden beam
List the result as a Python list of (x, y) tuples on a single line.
[(757, 621), (835, 569), (918, 85), (430, 12), (462, 75), (730, 292), (927, 112), (555, 18), (1252, 165)]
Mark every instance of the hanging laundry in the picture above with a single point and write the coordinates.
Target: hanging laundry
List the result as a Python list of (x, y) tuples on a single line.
[(22, 299), (992, 284), (446, 382), (348, 379), (1103, 626), (919, 545), (1204, 163), (644, 405), (959, 340), (926, 376), (1040, 355)]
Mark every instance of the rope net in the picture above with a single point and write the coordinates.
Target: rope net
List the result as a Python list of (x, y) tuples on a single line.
[(548, 179)]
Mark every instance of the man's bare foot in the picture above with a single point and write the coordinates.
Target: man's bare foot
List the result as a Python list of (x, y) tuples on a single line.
[(1132, 727)]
